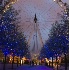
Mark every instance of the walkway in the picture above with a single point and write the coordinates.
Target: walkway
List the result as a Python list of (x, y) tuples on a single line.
[(34, 68)]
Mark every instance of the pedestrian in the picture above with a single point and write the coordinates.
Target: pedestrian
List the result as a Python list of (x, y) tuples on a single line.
[(32, 63)]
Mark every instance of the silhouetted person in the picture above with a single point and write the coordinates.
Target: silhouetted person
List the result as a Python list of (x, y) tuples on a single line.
[(32, 63)]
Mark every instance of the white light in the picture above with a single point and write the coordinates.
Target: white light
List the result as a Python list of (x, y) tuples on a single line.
[(10, 59), (61, 5), (54, 0), (4, 11), (21, 61), (8, 6), (16, 42)]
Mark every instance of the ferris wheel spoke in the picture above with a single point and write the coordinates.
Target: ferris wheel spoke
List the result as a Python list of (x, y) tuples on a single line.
[(43, 34), (34, 43), (47, 10), (40, 35), (43, 31), (30, 37), (27, 28), (45, 26)]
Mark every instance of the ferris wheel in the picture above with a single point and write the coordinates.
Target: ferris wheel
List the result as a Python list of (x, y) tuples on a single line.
[(37, 18)]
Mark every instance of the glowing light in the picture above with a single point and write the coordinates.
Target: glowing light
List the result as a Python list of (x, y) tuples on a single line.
[(54, 0), (4, 11), (61, 5), (8, 6), (10, 59), (16, 42), (59, 35), (65, 10), (47, 60), (12, 2), (67, 33), (21, 61)]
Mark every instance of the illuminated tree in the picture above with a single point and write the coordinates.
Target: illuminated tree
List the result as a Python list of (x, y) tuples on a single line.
[(58, 42), (59, 35), (11, 40)]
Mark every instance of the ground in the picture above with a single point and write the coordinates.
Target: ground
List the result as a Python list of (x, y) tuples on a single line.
[(28, 67), (24, 67), (34, 68)]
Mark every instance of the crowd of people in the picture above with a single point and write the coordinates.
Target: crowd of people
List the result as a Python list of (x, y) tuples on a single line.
[(32, 62)]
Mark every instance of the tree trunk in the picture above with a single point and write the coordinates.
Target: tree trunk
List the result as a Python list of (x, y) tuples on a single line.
[(4, 63), (56, 62), (12, 62), (20, 61), (17, 62), (49, 63), (65, 62), (52, 62)]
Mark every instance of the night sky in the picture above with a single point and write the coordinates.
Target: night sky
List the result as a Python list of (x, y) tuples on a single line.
[(47, 13)]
